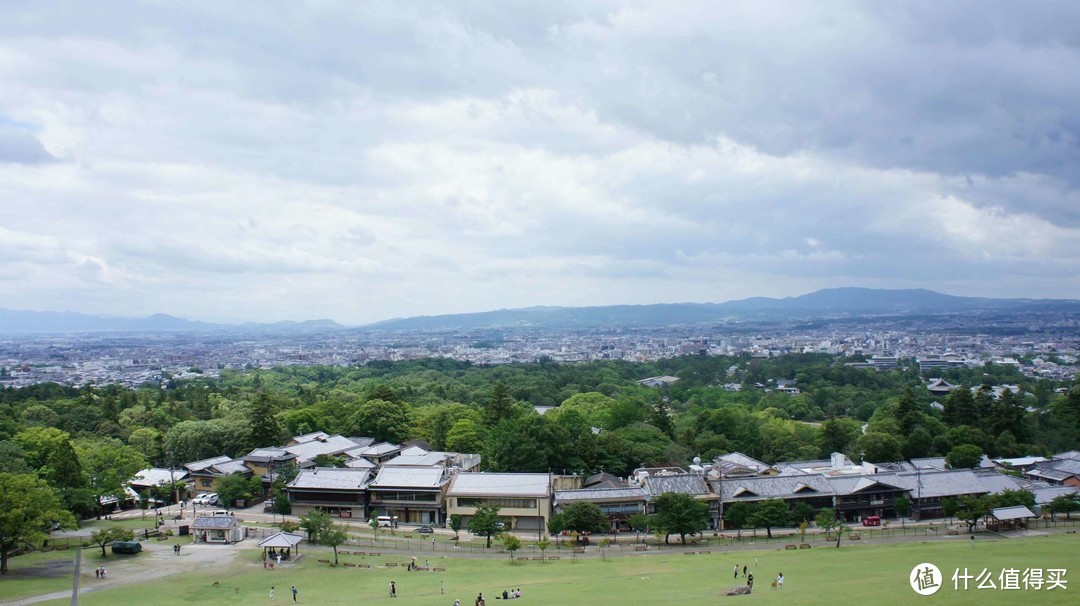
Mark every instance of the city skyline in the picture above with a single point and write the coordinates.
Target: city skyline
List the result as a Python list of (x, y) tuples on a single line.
[(364, 162)]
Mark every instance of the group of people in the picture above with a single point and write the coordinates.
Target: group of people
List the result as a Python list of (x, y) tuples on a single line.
[(100, 572), (292, 589), (509, 595), (176, 549), (749, 576)]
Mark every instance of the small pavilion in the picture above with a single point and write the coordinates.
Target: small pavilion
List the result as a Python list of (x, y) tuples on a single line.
[(280, 543)]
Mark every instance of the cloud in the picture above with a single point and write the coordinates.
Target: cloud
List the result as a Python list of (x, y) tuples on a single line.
[(359, 160)]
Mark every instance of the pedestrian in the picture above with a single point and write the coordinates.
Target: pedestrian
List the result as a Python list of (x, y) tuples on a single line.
[(293, 590), (433, 543), (457, 602), (97, 573), (744, 571), (271, 593), (780, 581), (750, 581), (104, 572), (393, 589), (736, 572), (973, 541), (427, 564), (755, 562)]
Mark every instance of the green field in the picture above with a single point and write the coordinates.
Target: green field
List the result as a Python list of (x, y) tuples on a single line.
[(853, 574)]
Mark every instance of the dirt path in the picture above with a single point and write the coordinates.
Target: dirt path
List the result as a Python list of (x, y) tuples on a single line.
[(156, 561)]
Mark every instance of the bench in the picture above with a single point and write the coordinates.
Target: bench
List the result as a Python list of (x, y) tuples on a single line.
[(391, 563), (541, 558), (855, 537), (553, 557), (804, 545), (952, 532), (349, 565), (438, 569), (324, 561), (791, 546), (363, 565), (704, 552), (374, 553), (1066, 532), (359, 553), (688, 553), (640, 547), (579, 550)]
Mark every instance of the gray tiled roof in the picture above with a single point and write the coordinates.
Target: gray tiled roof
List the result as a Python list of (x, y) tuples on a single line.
[(600, 495), (233, 466), (683, 483), (205, 463), (1043, 496), (431, 459), (1017, 512), (214, 522), (262, 455), (760, 488), (330, 445), (331, 478), (930, 484), (409, 477), (500, 484), (156, 476)]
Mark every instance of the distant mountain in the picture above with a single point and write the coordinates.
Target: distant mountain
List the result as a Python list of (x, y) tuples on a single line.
[(822, 303), (58, 322)]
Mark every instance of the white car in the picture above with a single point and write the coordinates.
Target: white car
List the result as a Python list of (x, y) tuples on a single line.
[(212, 499), (199, 498)]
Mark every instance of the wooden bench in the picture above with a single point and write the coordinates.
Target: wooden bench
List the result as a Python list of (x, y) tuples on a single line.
[(804, 545), (64, 546), (374, 553), (541, 558), (363, 565), (952, 532), (855, 537), (579, 550), (640, 547), (688, 553), (791, 546), (324, 561), (1066, 532), (553, 557), (359, 553), (438, 569), (349, 565), (704, 552), (391, 563)]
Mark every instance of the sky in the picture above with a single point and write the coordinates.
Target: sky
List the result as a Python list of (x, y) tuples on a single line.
[(362, 161)]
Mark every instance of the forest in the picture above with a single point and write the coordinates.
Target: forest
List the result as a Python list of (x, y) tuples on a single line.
[(85, 442)]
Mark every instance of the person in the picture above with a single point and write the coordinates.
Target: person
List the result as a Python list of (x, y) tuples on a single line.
[(744, 571), (517, 593), (780, 581), (271, 593), (506, 594), (293, 590), (973, 541), (755, 562), (480, 600), (433, 543), (279, 558), (750, 581), (393, 589), (97, 573), (736, 572), (457, 602)]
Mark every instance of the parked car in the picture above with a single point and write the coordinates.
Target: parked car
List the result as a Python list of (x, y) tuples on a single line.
[(198, 500), (425, 529), (212, 499)]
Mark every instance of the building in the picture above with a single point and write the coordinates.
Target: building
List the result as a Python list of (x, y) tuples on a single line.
[(340, 492), (413, 494), (618, 504), (524, 499), (207, 473), (218, 529)]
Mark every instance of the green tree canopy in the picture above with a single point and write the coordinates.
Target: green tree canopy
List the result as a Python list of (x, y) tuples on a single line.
[(770, 513), (964, 456), (486, 522), (333, 536), (28, 509), (108, 466), (385, 421), (681, 514), (583, 516)]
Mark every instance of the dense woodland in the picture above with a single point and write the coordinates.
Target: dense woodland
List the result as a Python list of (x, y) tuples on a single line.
[(84, 443)]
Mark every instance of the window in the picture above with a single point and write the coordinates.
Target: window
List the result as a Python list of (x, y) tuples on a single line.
[(508, 503)]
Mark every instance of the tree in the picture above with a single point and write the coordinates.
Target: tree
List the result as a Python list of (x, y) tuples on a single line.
[(455, 523), (385, 421), (738, 516), (681, 514), (964, 456), (50, 453), (105, 536), (802, 511), (464, 436), (543, 545), (878, 447), (530, 443), (959, 408), (826, 520), (1065, 504), (639, 522), (29, 508), (660, 417), (511, 544), (972, 509), (903, 507), (837, 435), (949, 506), (108, 466), (333, 535), (501, 406), (232, 488), (374, 524), (770, 513), (265, 429), (907, 412), (556, 524), (583, 516), (486, 522), (315, 523)]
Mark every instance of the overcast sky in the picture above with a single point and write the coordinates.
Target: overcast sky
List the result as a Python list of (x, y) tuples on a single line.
[(296, 160)]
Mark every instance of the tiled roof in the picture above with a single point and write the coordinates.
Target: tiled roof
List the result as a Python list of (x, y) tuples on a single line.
[(1017, 512), (331, 478), (360, 464), (233, 466), (214, 522), (156, 476), (683, 483), (380, 449), (263, 455), (430, 459), (330, 445), (500, 484), (205, 463), (600, 495), (759, 488), (409, 477), (1043, 496)]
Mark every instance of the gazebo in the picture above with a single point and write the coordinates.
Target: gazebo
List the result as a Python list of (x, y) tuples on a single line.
[(281, 543), (1009, 518)]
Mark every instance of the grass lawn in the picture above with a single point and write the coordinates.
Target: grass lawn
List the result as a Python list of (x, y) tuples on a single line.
[(853, 574)]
